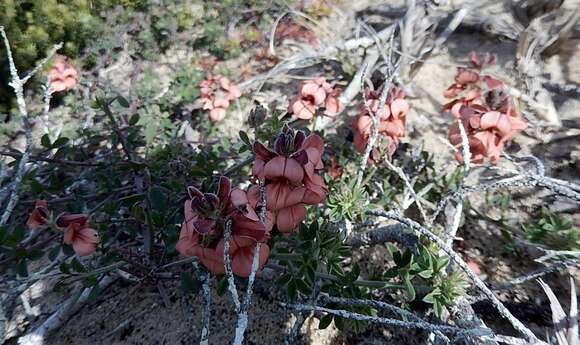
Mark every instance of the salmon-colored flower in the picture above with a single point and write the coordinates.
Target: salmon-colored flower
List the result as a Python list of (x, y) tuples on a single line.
[(485, 111), (216, 94), (312, 95), (242, 251), (392, 119), (78, 233), (202, 229), (62, 76), (38, 216), (290, 175)]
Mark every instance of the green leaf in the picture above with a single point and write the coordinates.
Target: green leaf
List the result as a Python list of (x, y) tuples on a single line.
[(62, 141), (303, 286), (123, 101), (77, 266), (158, 199), (45, 141), (134, 119), (21, 268), (426, 274), (245, 138), (430, 298), (94, 293), (283, 280), (325, 321), (67, 249), (64, 268), (222, 286), (292, 290), (36, 187), (410, 289), (441, 263)]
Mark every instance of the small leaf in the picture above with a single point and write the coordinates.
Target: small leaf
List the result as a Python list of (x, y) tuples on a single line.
[(292, 290), (303, 286), (325, 321), (283, 280), (158, 199), (123, 101), (134, 119), (94, 293), (245, 138), (410, 289), (45, 141), (62, 141), (430, 298), (64, 268), (222, 286)]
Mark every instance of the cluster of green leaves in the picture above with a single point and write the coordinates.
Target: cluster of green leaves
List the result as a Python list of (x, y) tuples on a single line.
[(315, 256), (125, 196), (423, 272), (553, 230), (348, 201)]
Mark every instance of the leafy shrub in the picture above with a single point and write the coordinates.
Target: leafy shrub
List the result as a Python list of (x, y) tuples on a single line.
[(555, 231)]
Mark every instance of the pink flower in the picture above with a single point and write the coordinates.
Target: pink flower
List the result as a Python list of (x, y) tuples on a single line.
[(202, 229), (242, 254), (78, 233), (392, 119), (38, 216), (216, 94), (313, 94), (290, 175), (62, 76), (485, 111)]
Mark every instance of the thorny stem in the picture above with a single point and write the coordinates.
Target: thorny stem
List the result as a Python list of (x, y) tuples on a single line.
[(17, 84), (242, 323), (472, 276), (228, 266), (386, 321), (206, 294), (382, 305)]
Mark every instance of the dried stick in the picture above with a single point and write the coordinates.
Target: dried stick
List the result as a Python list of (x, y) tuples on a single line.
[(17, 85), (385, 321), (206, 294), (394, 232), (242, 323), (228, 266), (357, 82), (55, 321), (558, 266), (407, 182), (520, 327)]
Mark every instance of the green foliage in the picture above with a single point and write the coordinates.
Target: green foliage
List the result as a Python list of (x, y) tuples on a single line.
[(348, 201), (185, 85), (553, 230)]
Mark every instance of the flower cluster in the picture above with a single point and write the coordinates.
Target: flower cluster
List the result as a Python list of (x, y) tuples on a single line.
[(202, 231), (485, 111), (392, 119), (289, 172), (62, 76), (312, 95), (77, 231), (216, 94)]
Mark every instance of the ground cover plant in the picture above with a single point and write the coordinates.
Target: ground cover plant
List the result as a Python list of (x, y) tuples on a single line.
[(309, 172)]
